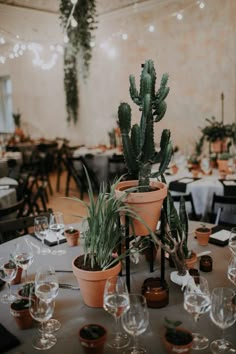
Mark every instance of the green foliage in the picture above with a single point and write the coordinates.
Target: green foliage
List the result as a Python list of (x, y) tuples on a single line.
[(16, 118), (28, 289), (171, 325), (138, 140), (224, 156), (80, 39), (214, 131)]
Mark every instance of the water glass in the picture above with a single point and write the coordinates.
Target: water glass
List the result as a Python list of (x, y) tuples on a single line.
[(8, 270), (197, 301), (56, 225), (135, 321), (116, 302), (232, 270), (41, 229), (232, 241), (223, 315), (23, 256)]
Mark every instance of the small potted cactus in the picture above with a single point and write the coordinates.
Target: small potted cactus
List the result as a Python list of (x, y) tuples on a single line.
[(92, 338), (72, 236), (27, 291), (139, 149), (20, 311), (203, 234), (177, 339)]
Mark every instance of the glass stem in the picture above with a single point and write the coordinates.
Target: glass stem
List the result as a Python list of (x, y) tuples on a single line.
[(117, 328), (9, 289), (43, 333), (58, 238), (223, 334), (135, 343), (26, 276)]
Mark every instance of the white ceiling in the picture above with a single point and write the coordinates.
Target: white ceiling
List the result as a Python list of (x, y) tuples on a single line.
[(103, 6)]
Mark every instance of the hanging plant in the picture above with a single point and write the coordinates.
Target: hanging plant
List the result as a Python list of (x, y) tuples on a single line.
[(78, 19)]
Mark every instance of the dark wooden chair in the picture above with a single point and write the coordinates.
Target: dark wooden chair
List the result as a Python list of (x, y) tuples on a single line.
[(16, 227), (223, 210), (116, 167), (188, 201)]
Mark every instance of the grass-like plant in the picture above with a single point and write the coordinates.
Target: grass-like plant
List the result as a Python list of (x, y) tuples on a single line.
[(103, 233)]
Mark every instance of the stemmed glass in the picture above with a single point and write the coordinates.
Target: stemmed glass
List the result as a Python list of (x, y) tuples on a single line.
[(56, 224), (23, 256), (8, 270), (46, 288), (197, 301), (42, 311), (116, 302), (232, 241), (205, 165), (135, 321), (41, 229), (223, 315), (232, 270)]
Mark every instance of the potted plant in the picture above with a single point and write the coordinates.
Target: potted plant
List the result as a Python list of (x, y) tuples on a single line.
[(174, 240), (27, 291), (215, 133), (222, 162), (92, 338), (17, 121), (203, 234), (139, 148), (20, 311), (102, 237), (72, 236), (177, 339)]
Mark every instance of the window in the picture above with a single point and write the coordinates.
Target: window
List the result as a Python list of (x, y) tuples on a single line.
[(6, 120)]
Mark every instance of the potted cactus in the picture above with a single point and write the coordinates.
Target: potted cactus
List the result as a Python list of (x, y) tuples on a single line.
[(92, 338), (139, 149), (203, 234), (177, 339), (20, 311)]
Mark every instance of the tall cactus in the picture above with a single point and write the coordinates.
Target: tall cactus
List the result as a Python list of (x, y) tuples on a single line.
[(138, 140)]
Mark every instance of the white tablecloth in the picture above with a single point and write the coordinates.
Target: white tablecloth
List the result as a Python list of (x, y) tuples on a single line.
[(7, 196)]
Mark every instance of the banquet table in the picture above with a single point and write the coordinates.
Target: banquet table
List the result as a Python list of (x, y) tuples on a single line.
[(202, 188), (97, 160), (73, 313)]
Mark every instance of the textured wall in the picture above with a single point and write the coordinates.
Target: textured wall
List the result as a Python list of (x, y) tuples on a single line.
[(198, 53)]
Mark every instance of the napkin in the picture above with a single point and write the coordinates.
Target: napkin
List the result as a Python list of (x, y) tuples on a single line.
[(220, 237), (51, 238), (7, 340)]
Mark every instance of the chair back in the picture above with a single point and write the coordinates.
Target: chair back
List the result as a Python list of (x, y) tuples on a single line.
[(223, 210), (190, 207)]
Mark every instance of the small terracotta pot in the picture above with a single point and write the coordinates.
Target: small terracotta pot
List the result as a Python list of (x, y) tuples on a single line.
[(223, 165), (156, 292), (22, 316), (190, 262), (176, 348), (72, 238), (89, 344), (203, 235)]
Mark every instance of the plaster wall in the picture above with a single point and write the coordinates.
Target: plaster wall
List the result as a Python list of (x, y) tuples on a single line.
[(198, 53)]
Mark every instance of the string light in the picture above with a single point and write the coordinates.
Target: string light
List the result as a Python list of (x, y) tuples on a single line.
[(151, 28), (201, 5), (125, 36), (179, 16)]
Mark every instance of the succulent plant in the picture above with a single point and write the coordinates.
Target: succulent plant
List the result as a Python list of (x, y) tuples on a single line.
[(138, 140)]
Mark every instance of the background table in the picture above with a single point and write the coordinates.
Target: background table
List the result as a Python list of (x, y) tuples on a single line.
[(73, 314)]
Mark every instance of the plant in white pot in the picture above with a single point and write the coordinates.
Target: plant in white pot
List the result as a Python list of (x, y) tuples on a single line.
[(139, 148), (103, 236)]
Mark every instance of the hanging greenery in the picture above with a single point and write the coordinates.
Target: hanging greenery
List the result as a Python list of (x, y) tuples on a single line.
[(78, 19)]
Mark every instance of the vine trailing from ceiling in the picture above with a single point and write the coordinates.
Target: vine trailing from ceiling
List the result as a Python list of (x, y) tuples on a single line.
[(78, 18)]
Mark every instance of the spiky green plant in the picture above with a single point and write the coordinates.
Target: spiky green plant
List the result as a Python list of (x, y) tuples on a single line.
[(138, 140), (103, 234)]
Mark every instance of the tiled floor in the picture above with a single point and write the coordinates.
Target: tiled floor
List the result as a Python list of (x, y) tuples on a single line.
[(58, 202)]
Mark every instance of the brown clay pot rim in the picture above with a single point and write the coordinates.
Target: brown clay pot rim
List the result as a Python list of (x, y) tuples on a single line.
[(150, 196), (92, 275), (103, 337), (181, 329)]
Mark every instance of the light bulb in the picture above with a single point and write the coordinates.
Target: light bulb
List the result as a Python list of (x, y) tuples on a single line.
[(73, 22), (2, 40), (92, 44), (124, 36), (179, 16), (151, 28), (73, 1), (201, 5)]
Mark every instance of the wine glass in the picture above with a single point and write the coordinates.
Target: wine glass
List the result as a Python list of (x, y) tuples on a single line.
[(41, 229), (205, 165), (46, 288), (42, 311), (56, 224), (135, 321), (8, 270), (232, 270), (116, 302), (223, 315), (197, 301), (23, 256), (232, 241)]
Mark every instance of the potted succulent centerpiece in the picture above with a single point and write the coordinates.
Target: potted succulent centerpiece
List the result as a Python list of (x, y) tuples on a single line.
[(203, 234), (102, 238), (92, 338), (139, 149), (20, 311), (215, 133), (72, 236), (177, 339)]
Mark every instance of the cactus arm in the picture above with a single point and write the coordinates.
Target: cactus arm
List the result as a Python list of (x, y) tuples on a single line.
[(168, 151), (165, 139), (160, 111), (133, 91), (135, 139)]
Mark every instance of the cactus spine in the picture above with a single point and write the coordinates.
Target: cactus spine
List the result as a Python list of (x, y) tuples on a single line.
[(138, 140)]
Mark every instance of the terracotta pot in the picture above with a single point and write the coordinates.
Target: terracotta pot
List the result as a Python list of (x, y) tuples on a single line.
[(156, 292), (177, 348), (92, 283), (147, 205), (203, 235), (216, 146), (22, 316), (223, 165), (93, 345), (195, 173), (72, 238), (190, 262)]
